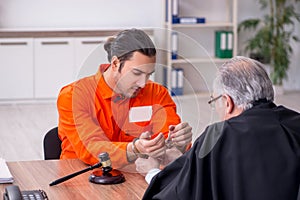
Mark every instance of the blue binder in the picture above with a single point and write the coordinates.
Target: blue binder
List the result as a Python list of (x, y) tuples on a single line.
[(188, 20), (177, 79), (174, 45), (174, 10)]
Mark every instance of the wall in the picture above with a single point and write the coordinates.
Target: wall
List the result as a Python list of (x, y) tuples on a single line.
[(101, 14), (83, 15), (80, 13)]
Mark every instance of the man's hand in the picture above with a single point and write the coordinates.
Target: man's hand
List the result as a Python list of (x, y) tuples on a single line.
[(171, 155), (143, 166), (152, 147), (181, 135)]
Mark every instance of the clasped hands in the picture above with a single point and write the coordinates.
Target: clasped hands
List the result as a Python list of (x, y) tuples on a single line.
[(179, 137)]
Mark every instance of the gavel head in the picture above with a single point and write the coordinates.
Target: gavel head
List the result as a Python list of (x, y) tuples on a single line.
[(105, 162)]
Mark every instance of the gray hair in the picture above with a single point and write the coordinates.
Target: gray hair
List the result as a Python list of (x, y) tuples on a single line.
[(245, 81)]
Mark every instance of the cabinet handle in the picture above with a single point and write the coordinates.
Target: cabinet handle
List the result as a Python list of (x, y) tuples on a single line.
[(93, 42), (55, 43), (12, 43)]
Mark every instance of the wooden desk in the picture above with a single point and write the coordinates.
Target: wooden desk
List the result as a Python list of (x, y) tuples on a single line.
[(31, 175)]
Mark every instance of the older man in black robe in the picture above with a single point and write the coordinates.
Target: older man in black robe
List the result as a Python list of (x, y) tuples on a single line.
[(252, 154)]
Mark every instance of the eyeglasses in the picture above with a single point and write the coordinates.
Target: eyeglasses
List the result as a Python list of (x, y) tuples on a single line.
[(212, 100)]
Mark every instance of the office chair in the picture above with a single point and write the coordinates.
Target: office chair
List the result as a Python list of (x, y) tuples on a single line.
[(52, 144)]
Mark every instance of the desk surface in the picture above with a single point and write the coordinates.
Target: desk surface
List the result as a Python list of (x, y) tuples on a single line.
[(31, 175)]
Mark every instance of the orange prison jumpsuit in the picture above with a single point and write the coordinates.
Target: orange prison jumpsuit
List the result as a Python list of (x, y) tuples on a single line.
[(93, 119)]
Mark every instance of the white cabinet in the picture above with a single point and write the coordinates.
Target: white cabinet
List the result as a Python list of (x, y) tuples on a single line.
[(89, 54), (53, 65), (16, 68), (37, 68), (195, 42), (59, 61)]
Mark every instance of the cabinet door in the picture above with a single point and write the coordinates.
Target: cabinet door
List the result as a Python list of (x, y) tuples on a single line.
[(54, 65), (89, 54), (16, 68)]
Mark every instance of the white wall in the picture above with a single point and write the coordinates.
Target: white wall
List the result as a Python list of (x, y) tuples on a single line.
[(101, 14), (248, 9), (80, 13)]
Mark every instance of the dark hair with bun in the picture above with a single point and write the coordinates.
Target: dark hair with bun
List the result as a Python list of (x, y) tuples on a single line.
[(126, 43)]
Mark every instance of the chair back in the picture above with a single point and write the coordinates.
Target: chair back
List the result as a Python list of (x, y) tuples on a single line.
[(52, 144)]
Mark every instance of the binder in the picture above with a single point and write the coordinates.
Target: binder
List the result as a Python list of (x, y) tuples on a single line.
[(177, 79), (188, 20), (174, 45), (174, 10), (181, 20), (165, 77), (180, 79), (167, 11), (173, 82), (223, 44)]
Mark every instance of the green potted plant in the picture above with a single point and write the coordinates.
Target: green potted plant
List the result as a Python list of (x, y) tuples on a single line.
[(271, 42)]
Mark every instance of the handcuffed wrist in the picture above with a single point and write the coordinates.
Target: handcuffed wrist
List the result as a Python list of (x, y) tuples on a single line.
[(136, 151)]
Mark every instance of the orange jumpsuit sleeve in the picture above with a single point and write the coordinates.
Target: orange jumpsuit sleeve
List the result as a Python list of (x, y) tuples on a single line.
[(82, 136)]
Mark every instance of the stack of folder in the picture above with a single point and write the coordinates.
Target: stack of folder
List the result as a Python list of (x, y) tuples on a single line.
[(5, 175), (176, 19), (177, 79)]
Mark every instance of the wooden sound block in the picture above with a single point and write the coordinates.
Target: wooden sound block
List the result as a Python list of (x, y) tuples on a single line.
[(112, 177)]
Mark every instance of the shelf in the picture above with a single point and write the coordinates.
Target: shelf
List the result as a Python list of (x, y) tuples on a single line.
[(196, 45), (202, 95), (199, 60), (204, 25)]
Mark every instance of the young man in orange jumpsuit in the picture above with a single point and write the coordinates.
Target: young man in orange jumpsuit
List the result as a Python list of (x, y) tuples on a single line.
[(118, 110)]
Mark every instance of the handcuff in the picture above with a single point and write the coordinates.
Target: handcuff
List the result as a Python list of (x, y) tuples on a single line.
[(136, 151)]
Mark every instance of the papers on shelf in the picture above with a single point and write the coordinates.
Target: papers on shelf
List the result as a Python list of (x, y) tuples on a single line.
[(5, 175)]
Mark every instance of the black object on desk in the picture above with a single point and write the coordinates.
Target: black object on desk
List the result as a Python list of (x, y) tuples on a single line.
[(106, 176)]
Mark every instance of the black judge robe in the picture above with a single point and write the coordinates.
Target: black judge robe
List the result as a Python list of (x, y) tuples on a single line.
[(255, 155)]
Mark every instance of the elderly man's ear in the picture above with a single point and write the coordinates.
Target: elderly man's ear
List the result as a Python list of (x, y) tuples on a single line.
[(231, 110), (229, 104)]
